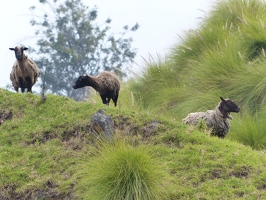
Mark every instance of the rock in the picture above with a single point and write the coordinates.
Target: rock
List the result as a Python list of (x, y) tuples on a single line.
[(102, 126)]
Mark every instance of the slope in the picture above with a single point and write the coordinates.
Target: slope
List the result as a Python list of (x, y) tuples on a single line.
[(225, 57), (46, 153)]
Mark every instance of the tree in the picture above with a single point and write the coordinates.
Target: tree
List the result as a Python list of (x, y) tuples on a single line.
[(71, 43)]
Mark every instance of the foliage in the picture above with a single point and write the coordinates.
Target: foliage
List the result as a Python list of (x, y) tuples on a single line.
[(214, 60), (224, 57), (71, 43), (251, 130), (45, 151), (121, 171)]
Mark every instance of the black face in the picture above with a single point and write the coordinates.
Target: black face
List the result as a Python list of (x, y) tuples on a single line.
[(19, 52), (81, 82), (229, 106)]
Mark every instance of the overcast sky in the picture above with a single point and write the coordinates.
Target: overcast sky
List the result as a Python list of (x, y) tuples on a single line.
[(161, 21)]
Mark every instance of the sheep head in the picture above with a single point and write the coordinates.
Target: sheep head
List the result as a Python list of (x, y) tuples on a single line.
[(227, 106), (82, 81), (19, 52)]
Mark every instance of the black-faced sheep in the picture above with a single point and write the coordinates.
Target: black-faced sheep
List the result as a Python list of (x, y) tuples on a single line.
[(217, 120), (106, 84), (25, 72)]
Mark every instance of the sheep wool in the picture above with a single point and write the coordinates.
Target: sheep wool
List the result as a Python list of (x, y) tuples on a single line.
[(106, 84), (217, 120), (107, 81), (25, 71)]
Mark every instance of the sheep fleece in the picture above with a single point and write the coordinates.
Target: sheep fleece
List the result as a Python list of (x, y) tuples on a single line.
[(33, 71), (213, 119), (107, 81)]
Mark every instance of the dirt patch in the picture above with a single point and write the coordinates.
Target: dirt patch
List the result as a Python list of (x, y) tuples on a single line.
[(216, 174), (50, 193), (130, 127), (4, 115), (263, 187), (242, 172), (77, 136), (74, 138)]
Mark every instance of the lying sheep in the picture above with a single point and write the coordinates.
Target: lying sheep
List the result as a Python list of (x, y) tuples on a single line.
[(25, 72), (217, 120), (106, 83)]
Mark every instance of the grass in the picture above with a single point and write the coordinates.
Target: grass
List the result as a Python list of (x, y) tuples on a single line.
[(229, 44), (251, 130), (46, 149), (225, 57), (219, 171), (121, 171)]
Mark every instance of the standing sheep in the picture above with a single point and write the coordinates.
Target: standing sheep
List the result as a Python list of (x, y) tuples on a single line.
[(25, 72), (217, 120), (106, 83)]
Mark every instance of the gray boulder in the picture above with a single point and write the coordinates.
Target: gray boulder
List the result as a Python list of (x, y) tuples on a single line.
[(102, 125)]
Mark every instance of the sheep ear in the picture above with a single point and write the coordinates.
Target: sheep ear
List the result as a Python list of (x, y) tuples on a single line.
[(12, 49), (25, 48), (222, 98)]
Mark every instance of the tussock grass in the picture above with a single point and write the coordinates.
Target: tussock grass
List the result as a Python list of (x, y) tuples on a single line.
[(46, 150), (224, 57), (250, 130), (121, 171)]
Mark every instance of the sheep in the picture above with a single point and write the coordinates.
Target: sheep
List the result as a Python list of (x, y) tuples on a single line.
[(106, 84), (216, 120), (25, 72)]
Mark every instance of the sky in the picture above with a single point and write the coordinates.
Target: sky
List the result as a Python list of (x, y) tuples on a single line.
[(161, 23)]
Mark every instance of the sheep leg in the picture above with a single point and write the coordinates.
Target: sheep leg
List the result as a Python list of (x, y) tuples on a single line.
[(28, 79), (104, 99), (115, 98), (16, 88), (21, 84)]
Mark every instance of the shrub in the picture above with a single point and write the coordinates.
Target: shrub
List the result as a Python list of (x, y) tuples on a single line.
[(121, 171), (250, 130)]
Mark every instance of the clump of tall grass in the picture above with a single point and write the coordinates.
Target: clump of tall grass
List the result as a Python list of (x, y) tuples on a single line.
[(212, 61), (121, 171), (250, 87), (151, 87), (250, 130)]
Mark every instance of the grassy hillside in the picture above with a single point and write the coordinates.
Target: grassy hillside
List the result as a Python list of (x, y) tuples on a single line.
[(46, 152), (224, 57)]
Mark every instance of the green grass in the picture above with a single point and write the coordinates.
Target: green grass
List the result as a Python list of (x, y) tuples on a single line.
[(250, 130), (121, 171), (225, 57), (46, 149)]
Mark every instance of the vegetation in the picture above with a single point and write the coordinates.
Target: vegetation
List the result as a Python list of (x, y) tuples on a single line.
[(71, 43), (121, 171), (46, 150), (224, 57)]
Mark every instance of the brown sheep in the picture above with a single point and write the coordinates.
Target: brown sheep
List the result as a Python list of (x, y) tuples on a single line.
[(106, 84), (25, 72)]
